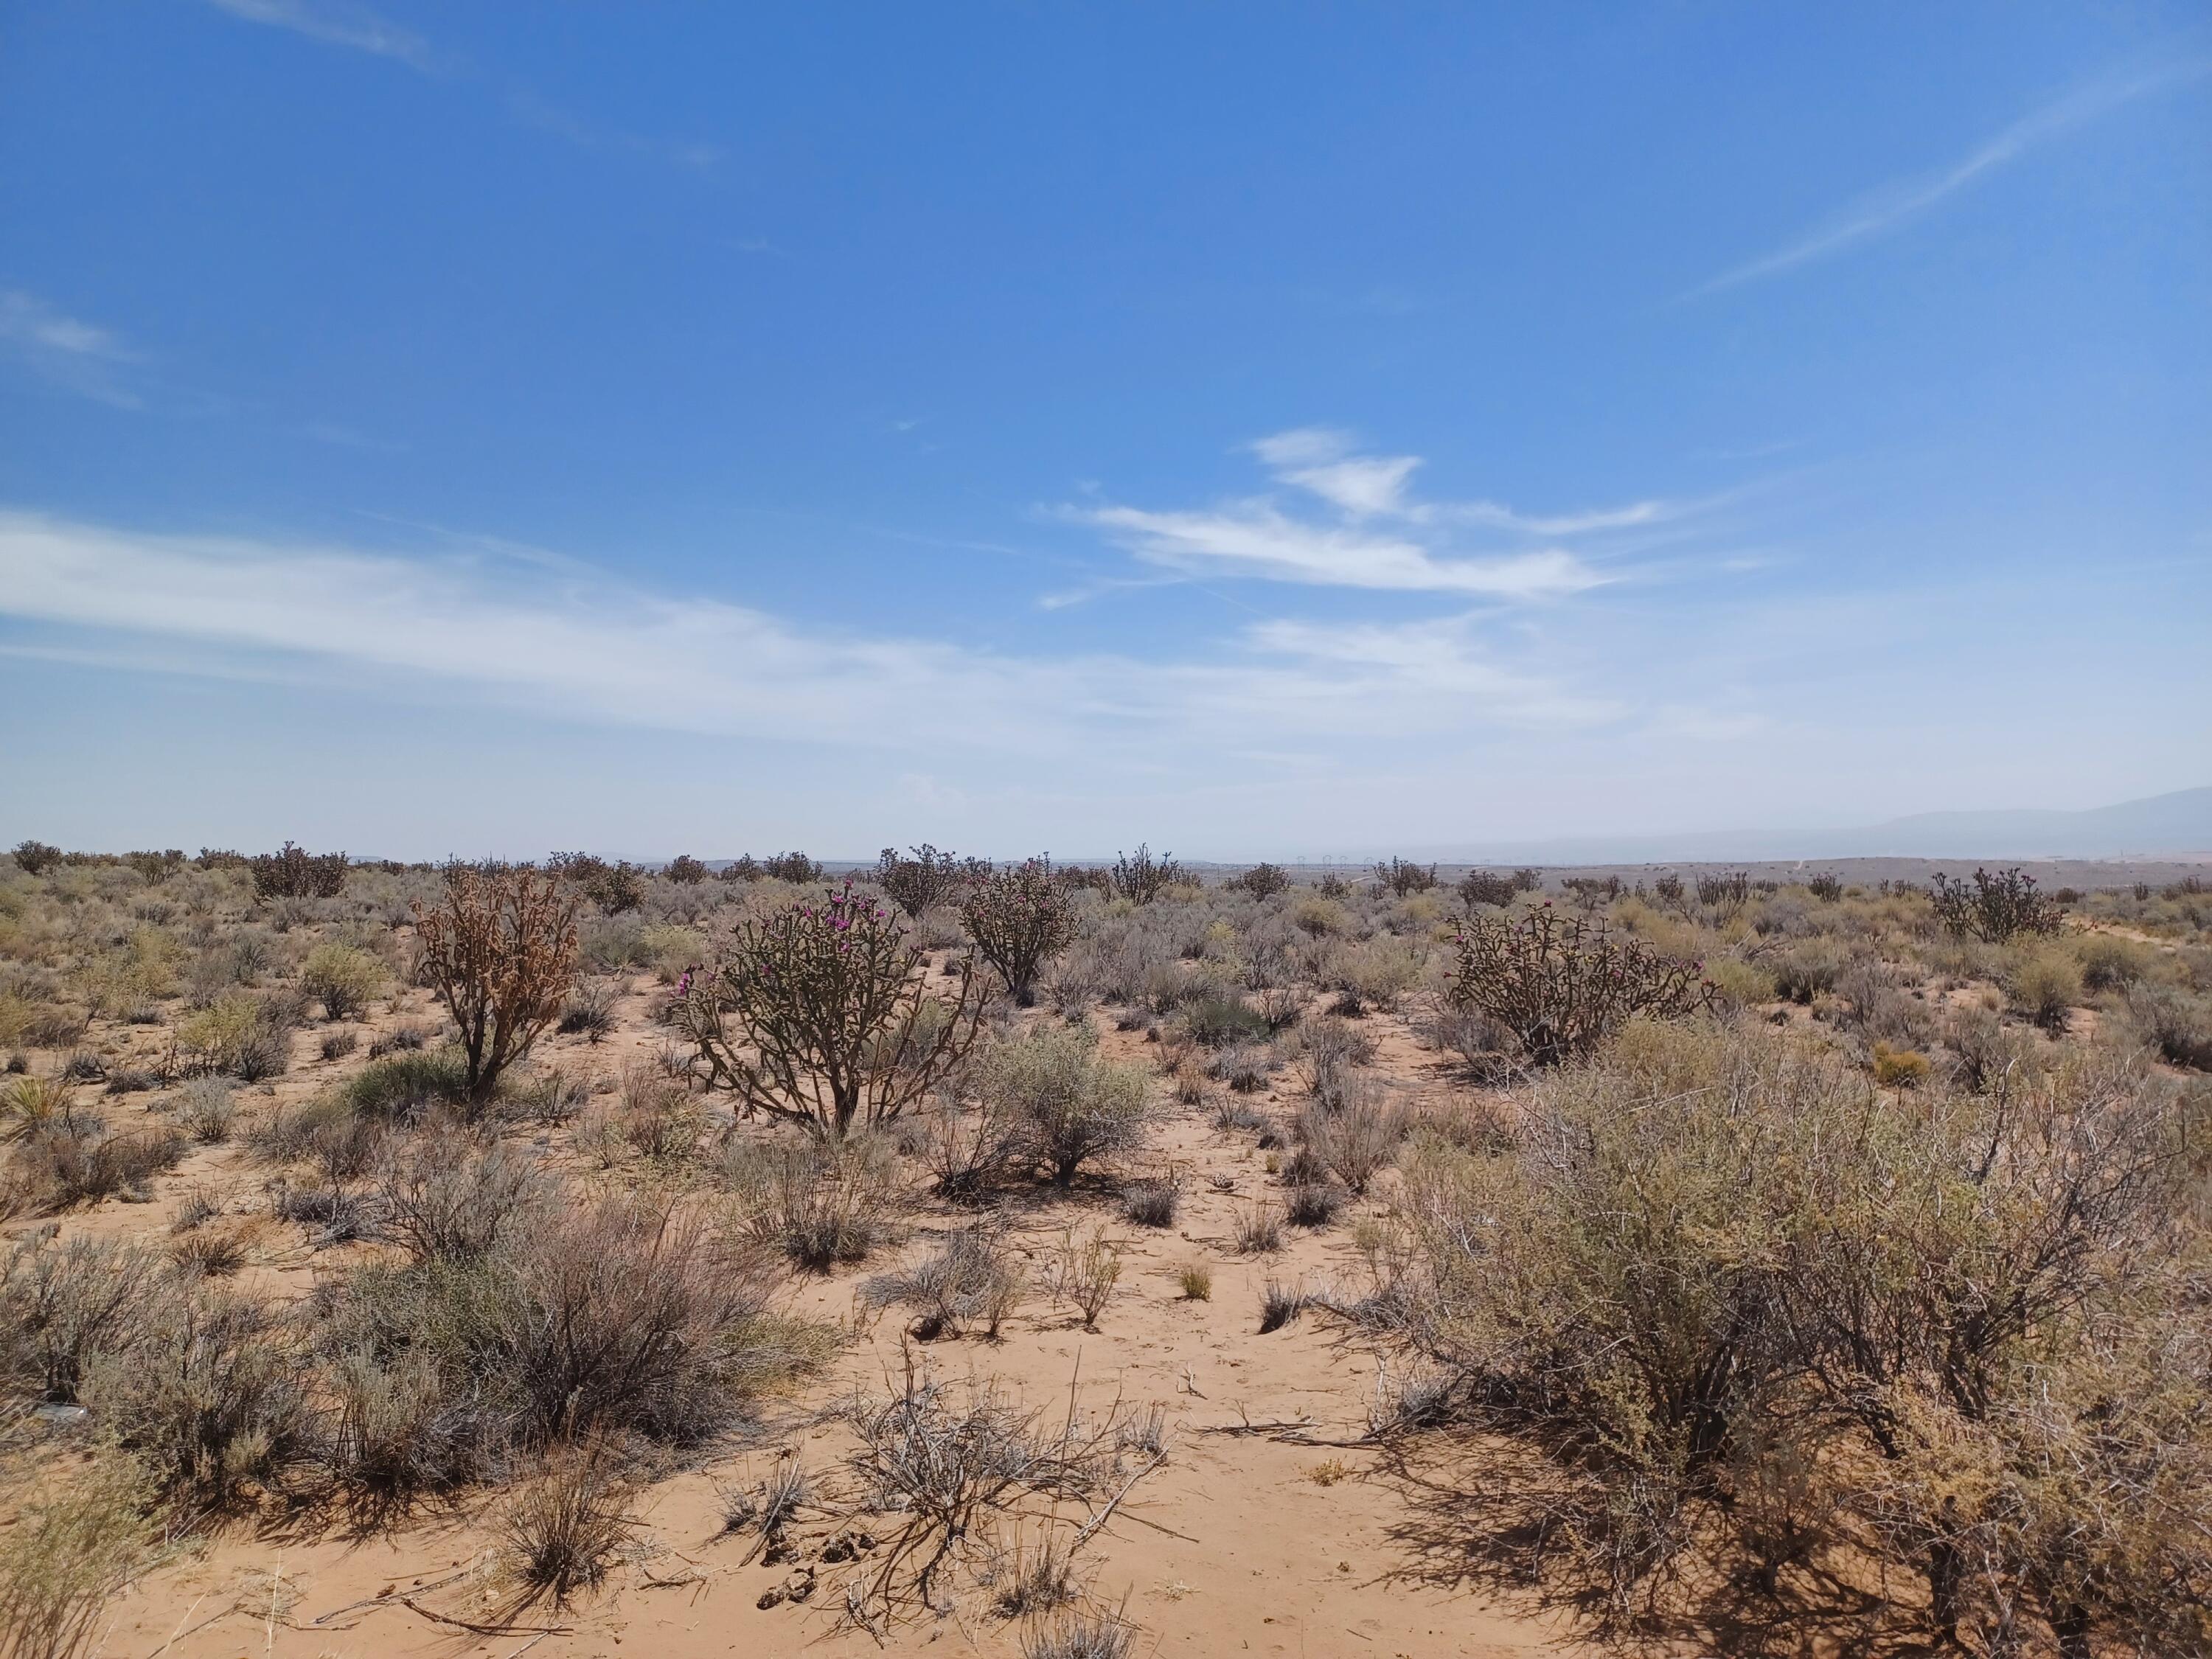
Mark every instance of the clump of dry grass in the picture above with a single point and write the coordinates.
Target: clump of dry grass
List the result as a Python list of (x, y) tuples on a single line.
[(563, 1531), (969, 1279), (67, 1554)]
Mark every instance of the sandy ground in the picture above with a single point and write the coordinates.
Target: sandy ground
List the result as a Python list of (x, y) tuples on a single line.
[(1240, 1542)]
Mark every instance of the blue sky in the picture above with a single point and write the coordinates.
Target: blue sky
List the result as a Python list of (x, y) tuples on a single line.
[(1262, 430)]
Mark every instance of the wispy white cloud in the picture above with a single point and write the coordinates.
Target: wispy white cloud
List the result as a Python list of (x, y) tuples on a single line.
[(564, 641), (338, 23), (81, 357), (532, 109), (1892, 205), (1357, 525), (354, 27)]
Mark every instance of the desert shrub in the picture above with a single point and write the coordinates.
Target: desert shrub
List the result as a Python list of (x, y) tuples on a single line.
[(1195, 1280), (1400, 878), (1018, 917), (247, 1037), (970, 1278), (1143, 878), (403, 1087), (563, 1530), (63, 1556), (1808, 971), (1261, 881), (972, 1149), (205, 1109), (1993, 907), (820, 1203), (1085, 1271), (2111, 963), (1733, 887), (1374, 974), (1619, 1289), (1086, 1633), (296, 873), (835, 1024), (614, 888), (590, 1012), (1354, 1144), (1077, 1106), (403, 1040), (1280, 1304), (75, 1159), (35, 857), (444, 1200), (685, 870), (1215, 1019), (1561, 987), (338, 1044), (1899, 1068), (1486, 887), (2176, 1023), (209, 1395), (925, 878), (1319, 915), (1311, 1202), (1827, 886), (29, 1102), (620, 1316), (1740, 984), (954, 1465), (1152, 1202), (1259, 1230), (796, 868), (343, 978), (1231, 1116), (2042, 987), (63, 1305), (500, 949)]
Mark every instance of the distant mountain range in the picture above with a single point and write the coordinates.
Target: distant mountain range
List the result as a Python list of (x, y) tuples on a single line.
[(2178, 822)]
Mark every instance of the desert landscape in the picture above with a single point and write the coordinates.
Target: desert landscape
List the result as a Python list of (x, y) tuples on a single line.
[(1084, 831), (1071, 1261)]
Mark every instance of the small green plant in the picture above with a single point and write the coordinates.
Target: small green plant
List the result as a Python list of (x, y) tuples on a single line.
[(1898, 1068), (1195, 1280)]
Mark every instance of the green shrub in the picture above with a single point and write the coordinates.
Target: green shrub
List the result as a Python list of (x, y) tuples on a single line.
[(2043, 987), (1077, 1106), (343, 978)]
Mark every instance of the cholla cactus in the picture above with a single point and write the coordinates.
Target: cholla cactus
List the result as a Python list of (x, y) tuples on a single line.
[(821, 1015), (1019, 918), (1996, 907), (1561, 987)]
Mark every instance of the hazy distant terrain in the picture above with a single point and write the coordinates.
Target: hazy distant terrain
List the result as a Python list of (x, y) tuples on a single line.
[(2179, 822)]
